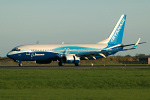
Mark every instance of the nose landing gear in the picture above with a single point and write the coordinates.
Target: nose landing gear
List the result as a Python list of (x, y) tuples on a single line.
[(20, 64)]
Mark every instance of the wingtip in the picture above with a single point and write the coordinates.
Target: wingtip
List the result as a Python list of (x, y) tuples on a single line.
[(137, 43)]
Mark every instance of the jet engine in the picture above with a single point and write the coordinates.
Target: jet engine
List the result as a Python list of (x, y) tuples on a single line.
[(70, 59)]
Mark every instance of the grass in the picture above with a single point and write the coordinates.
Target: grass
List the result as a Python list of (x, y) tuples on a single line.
[(105, 83), (75, 94)]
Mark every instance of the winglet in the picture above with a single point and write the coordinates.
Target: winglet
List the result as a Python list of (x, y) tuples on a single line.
[(137, 43), (134, 47)]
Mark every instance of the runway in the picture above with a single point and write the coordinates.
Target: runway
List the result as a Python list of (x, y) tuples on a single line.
[(45, 67), (65, 67)]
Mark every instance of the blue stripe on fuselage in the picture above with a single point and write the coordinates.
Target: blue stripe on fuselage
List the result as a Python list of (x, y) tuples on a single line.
[(32, 56), (73, 47)]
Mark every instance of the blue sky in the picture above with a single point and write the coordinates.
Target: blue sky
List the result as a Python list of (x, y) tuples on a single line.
[(72, 21)]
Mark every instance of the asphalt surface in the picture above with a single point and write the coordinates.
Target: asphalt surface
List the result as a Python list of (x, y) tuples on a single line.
[(43, 67), (62, 67)]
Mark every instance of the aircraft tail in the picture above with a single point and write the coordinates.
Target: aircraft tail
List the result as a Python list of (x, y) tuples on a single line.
[(117, 33)]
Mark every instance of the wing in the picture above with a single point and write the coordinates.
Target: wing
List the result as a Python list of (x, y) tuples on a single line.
[(134, 47), (92, 54)]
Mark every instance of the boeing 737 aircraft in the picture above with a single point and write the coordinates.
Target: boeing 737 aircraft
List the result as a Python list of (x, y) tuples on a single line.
[(73, 53)]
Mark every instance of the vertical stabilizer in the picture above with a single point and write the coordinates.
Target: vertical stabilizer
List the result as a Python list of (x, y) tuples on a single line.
[(117, 33)]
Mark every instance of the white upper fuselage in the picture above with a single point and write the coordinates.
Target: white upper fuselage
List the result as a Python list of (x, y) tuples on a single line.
[(59, 48), (70, 46)]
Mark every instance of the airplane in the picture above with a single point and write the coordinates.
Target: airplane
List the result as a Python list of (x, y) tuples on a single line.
[(73, 53)]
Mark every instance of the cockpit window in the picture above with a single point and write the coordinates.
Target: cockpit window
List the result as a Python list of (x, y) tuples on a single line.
[(15, 49)]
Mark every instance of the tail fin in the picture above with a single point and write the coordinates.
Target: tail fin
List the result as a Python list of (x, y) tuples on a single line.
[(117, 33)]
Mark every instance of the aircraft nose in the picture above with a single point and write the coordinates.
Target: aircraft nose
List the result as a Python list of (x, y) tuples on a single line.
[(9, 55)]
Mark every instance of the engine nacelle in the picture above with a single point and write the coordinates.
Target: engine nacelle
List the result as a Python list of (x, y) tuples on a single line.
[(43, 61), (70, 59)]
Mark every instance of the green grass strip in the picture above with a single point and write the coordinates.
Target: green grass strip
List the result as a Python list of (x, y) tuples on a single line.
[(106, 83)]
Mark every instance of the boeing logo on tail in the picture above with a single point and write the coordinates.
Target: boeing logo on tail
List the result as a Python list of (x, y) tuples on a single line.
[(73, 53)]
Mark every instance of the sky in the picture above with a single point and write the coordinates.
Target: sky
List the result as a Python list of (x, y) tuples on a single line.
[(72, 21)]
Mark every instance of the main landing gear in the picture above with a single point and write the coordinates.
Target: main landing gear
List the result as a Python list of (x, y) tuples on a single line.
[(77, 64), (20, 64), (60, 63)]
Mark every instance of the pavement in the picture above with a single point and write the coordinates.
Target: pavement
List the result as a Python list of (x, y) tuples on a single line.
[(63, 67)]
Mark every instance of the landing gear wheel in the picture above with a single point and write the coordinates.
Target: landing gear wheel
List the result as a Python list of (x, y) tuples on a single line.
[(77, 64), (20, 64), (60, 63)]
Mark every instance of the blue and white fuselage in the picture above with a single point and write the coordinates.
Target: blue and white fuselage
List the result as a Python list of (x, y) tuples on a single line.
[(41, 52), (72, 53)]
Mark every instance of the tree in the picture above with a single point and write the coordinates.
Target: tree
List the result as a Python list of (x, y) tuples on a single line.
[(141, 55)]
